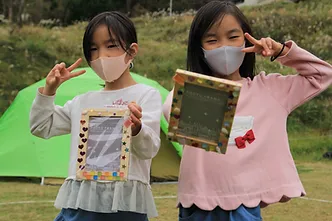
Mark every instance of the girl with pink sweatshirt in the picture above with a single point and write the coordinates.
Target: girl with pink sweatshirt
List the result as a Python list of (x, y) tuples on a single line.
[(254, 172)]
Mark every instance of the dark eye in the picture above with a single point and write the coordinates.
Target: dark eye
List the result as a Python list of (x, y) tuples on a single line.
[(93, 49), (111, 46), (232, 37), (211, 41)]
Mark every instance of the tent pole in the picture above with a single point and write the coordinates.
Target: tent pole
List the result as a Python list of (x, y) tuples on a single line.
[(42, 181)]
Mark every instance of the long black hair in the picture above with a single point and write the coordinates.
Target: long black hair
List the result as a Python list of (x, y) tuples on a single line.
[(205, 18), (121, 30)]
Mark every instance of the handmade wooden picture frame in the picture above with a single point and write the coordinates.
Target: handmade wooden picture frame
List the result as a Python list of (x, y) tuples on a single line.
[(203, 110), (114, 126)]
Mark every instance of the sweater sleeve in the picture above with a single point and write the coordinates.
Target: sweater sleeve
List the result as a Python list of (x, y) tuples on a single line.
[(147, 142), (314, 76), (47, 119)]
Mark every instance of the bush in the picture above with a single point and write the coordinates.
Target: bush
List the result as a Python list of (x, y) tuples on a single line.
[(308, 23)]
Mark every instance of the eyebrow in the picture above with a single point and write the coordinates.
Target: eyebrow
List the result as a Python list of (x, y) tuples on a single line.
[(110, 41), (105, 42), (210, 35), (235, 30)]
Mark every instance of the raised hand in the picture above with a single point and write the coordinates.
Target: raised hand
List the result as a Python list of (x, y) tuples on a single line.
[(265, 46), (60, 74)]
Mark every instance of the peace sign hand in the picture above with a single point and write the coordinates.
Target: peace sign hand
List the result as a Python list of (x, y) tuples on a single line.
[(60, 74), (265, 46)]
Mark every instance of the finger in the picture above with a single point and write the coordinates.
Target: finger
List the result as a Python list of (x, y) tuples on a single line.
[(266, 51), (62, 65), (132, 105), (56, 67), (57, 75), (62, 69), (56, 72), (135, 120), (269, 42), (248, 49), (251, 39), (137, 106), (77, 73), (75, 65), (135, 111)]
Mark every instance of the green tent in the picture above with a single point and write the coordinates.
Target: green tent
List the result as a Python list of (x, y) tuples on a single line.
[(22, 154)]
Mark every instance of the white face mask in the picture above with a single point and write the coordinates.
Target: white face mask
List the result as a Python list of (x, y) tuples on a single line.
[(110, 68), (224, 60)]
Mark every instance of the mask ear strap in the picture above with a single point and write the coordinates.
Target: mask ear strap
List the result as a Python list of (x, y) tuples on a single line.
[(131, 65)]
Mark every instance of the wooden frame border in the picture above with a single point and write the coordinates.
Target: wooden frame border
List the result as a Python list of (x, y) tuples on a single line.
[(232, 88), (121, 175)]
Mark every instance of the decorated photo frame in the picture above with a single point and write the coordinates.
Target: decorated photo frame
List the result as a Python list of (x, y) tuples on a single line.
[(203, 110), (104, 144)]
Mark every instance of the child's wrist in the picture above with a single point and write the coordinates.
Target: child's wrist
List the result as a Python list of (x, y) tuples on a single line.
[(284, 50), (136, 131), (47, 91)]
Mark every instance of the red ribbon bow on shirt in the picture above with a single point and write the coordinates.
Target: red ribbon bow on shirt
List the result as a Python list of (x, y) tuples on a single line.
[(241, 141)]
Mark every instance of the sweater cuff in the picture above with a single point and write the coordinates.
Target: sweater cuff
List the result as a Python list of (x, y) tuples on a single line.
[(44, 100), (140, 136), (292, 47)]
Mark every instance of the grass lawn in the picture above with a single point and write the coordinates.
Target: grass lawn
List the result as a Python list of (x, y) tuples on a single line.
[(316, 177)]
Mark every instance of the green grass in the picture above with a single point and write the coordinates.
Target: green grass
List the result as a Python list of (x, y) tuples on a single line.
[(316, 178), (310, 148)]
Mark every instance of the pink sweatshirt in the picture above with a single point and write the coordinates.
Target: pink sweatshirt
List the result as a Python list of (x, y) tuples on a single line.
[(264, 171)]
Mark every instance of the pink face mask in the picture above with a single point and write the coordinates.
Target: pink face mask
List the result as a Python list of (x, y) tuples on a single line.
[(110, 68)]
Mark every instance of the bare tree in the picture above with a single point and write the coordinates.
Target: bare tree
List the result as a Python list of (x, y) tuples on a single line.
[(20, 12), (14, 10), (4, 12), (129, 6), (10, 10)]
